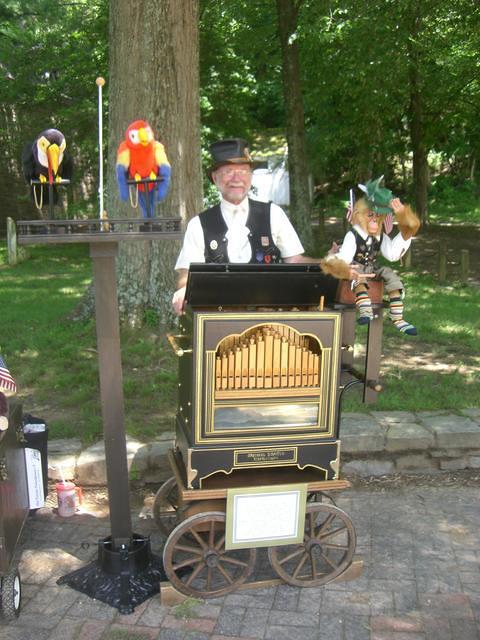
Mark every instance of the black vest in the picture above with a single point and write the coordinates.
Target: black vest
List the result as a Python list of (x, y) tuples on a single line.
[(366, 254), (264, 251)]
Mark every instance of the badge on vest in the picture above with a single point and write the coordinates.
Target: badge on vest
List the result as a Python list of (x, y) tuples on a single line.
[(265, 241), (213, 245), (259, 256)]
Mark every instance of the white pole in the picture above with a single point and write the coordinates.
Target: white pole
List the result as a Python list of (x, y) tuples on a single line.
[(100, 82)]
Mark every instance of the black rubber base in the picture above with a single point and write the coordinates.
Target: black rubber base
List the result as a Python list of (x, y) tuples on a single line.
[(122, 578)]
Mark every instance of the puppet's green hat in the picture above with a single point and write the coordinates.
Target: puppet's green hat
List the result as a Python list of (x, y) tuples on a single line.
[(378, 197)]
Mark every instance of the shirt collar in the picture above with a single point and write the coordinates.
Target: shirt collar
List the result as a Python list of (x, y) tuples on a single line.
[(229, 208)]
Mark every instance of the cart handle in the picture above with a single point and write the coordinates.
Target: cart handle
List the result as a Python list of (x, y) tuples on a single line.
[(176, 347)]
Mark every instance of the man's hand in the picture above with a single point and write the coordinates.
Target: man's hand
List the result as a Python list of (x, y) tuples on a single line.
[(359, 277), (178, 300)]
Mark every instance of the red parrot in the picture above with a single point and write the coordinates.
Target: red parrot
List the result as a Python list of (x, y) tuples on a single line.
[(141, 157)]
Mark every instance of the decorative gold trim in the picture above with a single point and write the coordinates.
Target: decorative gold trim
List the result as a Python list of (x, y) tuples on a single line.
[(191, 473), (329, 375)]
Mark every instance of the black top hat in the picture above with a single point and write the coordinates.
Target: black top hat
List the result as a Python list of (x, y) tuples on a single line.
[(231, 151)]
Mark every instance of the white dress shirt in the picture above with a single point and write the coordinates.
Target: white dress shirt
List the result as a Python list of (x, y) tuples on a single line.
[(391, 249), (238, 246)]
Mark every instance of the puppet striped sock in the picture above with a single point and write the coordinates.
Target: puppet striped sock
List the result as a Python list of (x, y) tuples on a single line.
[(364, 306), (396, 316)]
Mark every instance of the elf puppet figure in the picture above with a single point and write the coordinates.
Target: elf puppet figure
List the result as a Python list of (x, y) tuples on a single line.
[(356, 259)]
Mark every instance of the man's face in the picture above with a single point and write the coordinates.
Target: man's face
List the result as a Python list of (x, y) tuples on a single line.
[(233, 181)]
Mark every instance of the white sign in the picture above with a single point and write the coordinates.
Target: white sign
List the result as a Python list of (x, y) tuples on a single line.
[(33, 462), (265, 516)]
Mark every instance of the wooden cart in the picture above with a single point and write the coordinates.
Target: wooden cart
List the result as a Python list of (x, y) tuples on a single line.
[(194, 520), (260, 380)]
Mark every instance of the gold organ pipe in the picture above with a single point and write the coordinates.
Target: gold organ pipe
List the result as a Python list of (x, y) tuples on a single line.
[(269, 357)]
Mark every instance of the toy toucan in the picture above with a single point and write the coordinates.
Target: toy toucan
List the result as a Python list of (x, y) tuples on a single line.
[(47, 160), (141, 157)]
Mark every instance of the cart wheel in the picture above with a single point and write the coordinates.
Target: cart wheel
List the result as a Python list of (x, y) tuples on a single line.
[(10, 596), (321, 496), (165, 507), (327, 549), (196, 561)]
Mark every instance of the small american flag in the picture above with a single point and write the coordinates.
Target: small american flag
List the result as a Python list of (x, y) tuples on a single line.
[(7, 383)]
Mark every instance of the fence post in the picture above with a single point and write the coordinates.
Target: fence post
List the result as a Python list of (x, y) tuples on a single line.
[(12, 242), (442, 261), (407, 259), (464, 265)]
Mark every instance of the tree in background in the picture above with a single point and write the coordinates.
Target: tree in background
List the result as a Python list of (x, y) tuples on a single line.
[(300, 210), (154, 75)]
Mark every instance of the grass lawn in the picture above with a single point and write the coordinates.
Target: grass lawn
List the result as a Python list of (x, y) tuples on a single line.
[(54, 359)]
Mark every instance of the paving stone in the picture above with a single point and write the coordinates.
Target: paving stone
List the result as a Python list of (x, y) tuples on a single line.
[(171, 634), (367, 467), (274, 632), (474, 414), (289, 618), (230, 620), (91, 467), (331, 626), (62, 458), (360, 433), (388, 418), (124, 632), (356, 627), (67, 629), (254, 623), (406, 436), (414, 461), (453, 431), (286, 598)]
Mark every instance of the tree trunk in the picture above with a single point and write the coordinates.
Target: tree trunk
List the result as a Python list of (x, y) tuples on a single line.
[(154, 75), (420, 153), (300, 208)]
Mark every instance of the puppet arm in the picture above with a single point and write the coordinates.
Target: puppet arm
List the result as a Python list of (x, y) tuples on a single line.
[(338, 264), (408, 222)]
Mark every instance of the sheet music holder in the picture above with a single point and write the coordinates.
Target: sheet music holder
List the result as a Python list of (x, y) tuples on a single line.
[(258, 285)]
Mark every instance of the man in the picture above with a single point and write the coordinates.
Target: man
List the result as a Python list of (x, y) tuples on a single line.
[(239, 229)]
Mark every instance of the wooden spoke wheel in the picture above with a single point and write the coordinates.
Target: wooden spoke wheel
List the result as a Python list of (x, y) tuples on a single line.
[(321, 496), (327, 549), (10, 596), (196, 561), (165, 507)]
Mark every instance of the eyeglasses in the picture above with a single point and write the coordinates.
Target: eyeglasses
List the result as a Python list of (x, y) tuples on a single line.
[(229, 172)]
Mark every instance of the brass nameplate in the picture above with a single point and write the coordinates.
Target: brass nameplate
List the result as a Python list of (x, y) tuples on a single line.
[(266, 457)]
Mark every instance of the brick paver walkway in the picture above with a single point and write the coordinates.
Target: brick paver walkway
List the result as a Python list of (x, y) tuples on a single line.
[(421, 580)]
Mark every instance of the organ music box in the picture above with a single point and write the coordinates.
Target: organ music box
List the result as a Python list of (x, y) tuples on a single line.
[(259, 371)]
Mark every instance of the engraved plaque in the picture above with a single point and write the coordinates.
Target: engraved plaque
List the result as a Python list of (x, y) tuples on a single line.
[(266, 457)]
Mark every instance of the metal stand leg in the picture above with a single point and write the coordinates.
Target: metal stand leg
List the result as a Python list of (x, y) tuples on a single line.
[(125, 573), (373, 356)]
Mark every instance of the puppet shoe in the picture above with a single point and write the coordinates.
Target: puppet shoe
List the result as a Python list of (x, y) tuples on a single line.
[(405, 327)]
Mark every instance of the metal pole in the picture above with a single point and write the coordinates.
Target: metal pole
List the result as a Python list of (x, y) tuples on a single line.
[(100, 82)]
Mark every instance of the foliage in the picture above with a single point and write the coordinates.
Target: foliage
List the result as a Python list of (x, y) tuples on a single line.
[(54, 359), (50, 55)]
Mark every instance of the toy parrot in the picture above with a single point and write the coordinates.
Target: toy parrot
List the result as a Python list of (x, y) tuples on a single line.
[(47, 160), (141, 157)]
